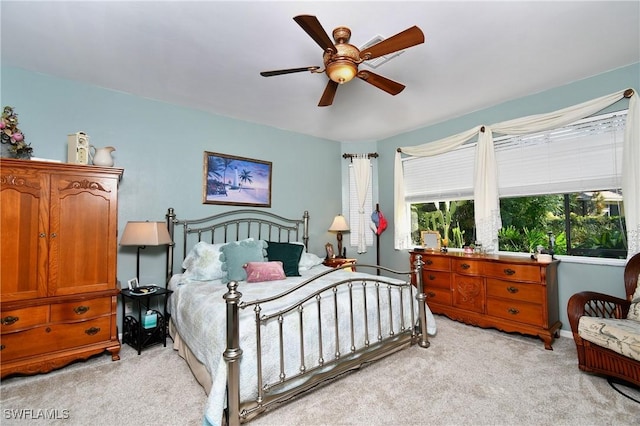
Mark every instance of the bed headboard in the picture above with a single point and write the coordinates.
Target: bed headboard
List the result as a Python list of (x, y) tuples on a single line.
[(230, 226)]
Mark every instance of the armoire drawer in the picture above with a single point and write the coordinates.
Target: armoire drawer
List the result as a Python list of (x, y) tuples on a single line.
[(55, 337), (20, 319), (73, 311), (528, 292), (528, 313), (512, 272)]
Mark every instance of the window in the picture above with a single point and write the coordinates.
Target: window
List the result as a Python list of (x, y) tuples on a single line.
[(541, 177)]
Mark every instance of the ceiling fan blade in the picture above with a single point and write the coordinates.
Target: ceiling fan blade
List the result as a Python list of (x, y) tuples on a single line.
[(329, 93), (407, 38), (287, 71), (381, 82), (313, 27)]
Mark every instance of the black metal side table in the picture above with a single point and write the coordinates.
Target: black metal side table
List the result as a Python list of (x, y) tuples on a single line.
[(134, 332)]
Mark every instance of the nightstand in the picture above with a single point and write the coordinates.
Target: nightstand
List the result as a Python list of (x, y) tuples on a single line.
[(336, 262), (136, 330)]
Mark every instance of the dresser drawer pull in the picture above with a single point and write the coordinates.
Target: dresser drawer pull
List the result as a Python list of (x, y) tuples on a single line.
[(81, 309), (431, 294), (432, 277), (2, 347), (9, 320), (429, 262), (513, 311), (513, 290), (465, 266), (93, 330), (509, 271)]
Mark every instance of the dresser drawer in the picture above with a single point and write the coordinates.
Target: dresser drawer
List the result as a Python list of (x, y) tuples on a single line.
[(467, 266), (436, 279), (52, 338), (436, 263), (438, 296), (513, 272), (82, 310), (20, 319), (527, 292), (528, 313)]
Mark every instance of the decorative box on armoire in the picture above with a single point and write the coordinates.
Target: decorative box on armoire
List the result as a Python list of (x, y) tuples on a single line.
[(58, 237)]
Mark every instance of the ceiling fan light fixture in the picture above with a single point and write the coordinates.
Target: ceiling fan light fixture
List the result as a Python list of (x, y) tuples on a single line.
[(341, 71)]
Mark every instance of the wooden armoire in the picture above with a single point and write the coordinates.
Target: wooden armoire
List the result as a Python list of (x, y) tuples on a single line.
[(58, 242)]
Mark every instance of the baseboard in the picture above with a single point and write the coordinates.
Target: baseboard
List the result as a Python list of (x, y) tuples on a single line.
[(566, 333)]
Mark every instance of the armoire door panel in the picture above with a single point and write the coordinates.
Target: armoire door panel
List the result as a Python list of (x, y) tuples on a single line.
[(83, 241), (23, 234)]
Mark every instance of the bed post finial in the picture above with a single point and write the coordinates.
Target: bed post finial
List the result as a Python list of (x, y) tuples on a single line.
[(233, 353)]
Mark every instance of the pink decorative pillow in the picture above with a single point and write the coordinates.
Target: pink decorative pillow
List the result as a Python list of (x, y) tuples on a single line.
[(264, 271)]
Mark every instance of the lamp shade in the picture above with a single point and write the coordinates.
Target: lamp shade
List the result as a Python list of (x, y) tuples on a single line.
[(145, 234), (339, 224)]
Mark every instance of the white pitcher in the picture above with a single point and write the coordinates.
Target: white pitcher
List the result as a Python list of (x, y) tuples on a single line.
[(101, 156)]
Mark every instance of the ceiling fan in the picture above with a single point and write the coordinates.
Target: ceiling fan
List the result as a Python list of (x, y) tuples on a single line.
[(341, 59)]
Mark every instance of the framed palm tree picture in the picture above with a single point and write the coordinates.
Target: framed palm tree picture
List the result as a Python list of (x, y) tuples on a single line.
[(236, 181)]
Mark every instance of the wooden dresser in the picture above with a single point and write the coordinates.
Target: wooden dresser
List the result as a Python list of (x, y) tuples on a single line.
[(510, 293), (58, 237)]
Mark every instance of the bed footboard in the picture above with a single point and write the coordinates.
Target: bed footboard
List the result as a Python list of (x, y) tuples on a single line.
[(393, 317)]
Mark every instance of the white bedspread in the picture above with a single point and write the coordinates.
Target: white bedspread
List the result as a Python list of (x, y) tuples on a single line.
[(199, 314)]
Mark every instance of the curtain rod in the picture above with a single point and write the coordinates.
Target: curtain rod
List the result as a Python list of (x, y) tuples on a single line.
[(369, 155)]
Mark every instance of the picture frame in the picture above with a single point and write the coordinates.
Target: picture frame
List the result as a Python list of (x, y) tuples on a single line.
[(236, 181), (430, 240), (133, 283), (330, 253)]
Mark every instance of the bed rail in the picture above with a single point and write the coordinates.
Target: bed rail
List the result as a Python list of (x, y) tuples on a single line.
[(373, 342)]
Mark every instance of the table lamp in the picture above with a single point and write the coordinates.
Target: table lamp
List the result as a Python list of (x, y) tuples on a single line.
[(339, 225), (144, 234)]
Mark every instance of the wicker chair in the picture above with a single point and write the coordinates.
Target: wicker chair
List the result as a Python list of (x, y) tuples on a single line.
[(597, 359)]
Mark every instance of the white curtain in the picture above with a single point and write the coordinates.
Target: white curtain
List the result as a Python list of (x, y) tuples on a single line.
[(486, 196), (362, 174)]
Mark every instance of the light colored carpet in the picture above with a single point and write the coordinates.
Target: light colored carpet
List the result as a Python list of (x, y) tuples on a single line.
[(469, 376)]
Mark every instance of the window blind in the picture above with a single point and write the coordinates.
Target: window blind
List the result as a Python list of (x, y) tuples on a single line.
[(583, 156)]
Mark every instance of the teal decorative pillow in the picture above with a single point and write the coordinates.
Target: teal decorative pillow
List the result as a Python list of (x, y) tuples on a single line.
[(235, 255), (288, 253)]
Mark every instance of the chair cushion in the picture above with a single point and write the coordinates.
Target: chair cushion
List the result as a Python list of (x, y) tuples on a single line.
[(619, 335)]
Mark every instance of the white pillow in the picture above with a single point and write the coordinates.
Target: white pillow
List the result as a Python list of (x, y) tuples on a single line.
[(308, 261), (203, 262)]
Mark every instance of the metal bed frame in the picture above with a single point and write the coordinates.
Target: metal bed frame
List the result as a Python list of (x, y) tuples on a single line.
[(378, 343)]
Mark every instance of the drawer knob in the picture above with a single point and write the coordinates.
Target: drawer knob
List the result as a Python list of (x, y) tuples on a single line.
[(81, 309), (93, 330), (9, 320), (2, 347), (513, 311), (465, 266), (429, 262), (432, 277), (431, 294), (509, 271), (512, 290)]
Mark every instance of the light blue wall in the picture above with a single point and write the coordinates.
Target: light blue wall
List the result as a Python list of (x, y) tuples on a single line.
[(573, 277), (160, 146)]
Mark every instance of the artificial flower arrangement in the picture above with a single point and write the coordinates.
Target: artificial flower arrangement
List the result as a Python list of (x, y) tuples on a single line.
[(12, 136)]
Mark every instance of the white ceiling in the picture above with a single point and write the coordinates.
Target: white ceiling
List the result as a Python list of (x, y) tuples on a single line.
[(208, 55)]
